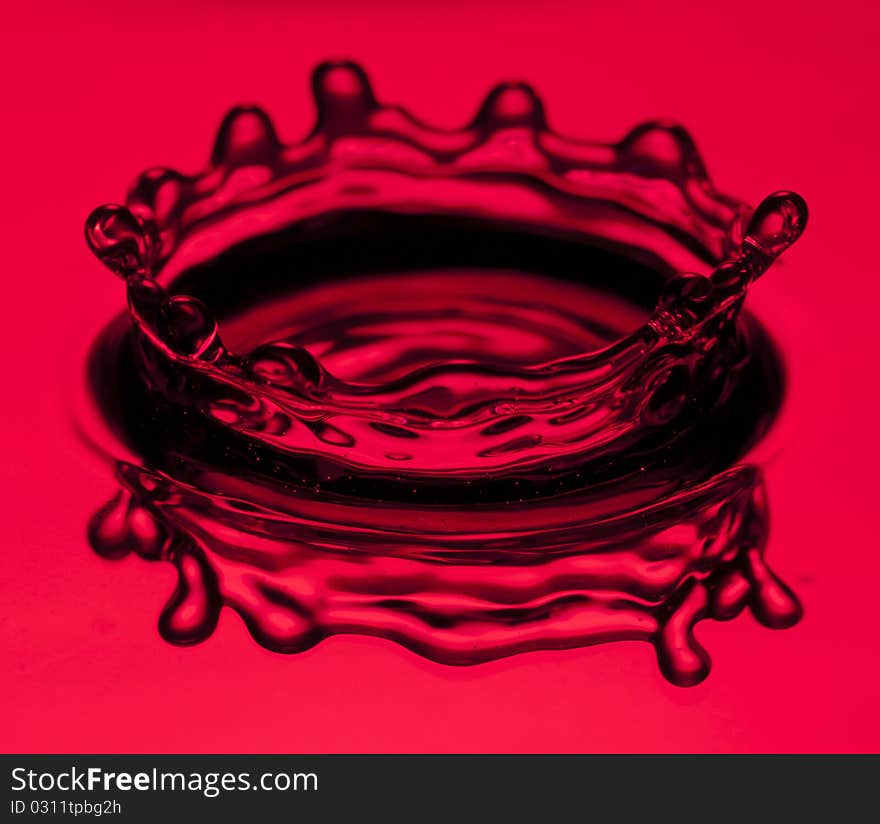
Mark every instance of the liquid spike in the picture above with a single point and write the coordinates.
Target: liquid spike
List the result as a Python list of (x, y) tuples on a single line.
[(662, 148), (511, 105), (246, 137), (189, 328), (776, 224), (193, 610), (122, 242), (157, 194), (343, 96)]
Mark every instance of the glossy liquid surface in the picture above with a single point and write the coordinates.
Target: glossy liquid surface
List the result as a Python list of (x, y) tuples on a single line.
[(443, 388)]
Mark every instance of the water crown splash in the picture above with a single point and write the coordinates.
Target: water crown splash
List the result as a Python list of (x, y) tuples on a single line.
[(448, 388)]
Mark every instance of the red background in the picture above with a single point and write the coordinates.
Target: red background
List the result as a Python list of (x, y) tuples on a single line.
[(777, 94)]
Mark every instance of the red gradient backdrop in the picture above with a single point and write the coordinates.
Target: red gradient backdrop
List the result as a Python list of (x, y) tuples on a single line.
[(778, 95)]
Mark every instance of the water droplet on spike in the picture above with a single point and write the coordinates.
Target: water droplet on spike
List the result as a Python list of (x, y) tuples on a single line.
[(772, 602), (123, 525), (193, 610), (246, 138), (286, 365), (189, 328), (685, 300), (511, 105), (124, 244), (662, 148), (682, 658), (777, 223), (687, 290), (343, 96), (156, 194)]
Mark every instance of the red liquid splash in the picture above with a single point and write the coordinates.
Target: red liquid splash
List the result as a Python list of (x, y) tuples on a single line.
[(442, 409)]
